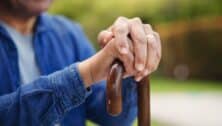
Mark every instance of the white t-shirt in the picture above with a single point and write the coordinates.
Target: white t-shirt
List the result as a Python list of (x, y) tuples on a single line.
[(26, 56)]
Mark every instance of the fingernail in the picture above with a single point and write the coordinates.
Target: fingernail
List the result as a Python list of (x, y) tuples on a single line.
[(138, 79), (123, 50), (105, 40), (139, 67), (146, 72)]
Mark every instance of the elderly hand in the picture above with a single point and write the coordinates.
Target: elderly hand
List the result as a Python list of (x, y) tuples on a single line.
[(146, 45), (135, 44)]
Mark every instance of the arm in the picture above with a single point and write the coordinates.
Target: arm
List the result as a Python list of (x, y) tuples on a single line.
[(44, 101)]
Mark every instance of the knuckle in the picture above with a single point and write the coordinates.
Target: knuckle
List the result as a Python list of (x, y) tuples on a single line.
[(137, 20), (156, 34), (141, 40), (122, 18), (102, 32), (148, 26), (121, 28)]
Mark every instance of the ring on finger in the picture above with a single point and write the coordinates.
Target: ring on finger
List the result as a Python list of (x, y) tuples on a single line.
[(150, 37)]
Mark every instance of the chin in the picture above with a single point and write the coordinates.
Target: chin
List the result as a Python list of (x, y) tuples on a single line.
[(35, 11), (33, 7)]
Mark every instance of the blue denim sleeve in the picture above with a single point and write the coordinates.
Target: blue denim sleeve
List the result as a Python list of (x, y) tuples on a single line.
[(44, 101)]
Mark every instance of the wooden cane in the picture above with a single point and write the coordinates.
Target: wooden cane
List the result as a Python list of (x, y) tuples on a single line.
[(114, 95), (114, 89), (143, 91)]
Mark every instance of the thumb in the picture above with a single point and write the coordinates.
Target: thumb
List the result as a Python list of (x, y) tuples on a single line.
[(104, 37)]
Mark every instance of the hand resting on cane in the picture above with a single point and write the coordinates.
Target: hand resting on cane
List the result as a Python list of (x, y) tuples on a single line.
[(142, 48)]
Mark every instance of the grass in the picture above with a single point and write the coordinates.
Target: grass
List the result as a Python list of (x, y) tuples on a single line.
[(160, 84), (165, 85), (154, 123)]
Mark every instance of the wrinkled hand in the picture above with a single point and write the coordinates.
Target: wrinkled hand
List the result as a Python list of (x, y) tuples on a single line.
[(145, 45), (135, 44)]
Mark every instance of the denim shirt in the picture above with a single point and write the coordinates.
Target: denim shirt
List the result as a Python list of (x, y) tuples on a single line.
[(58, 95)]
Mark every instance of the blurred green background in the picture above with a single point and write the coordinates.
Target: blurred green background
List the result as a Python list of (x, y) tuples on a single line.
[(191, 34)]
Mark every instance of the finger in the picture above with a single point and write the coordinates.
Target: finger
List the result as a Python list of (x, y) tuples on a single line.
[(150, 39), (151, 62), (120, 30), (157, 36), (152, 56), (148, 30), (158, 52), (127, 60), (149, 34), (138, 36), (104, 37)]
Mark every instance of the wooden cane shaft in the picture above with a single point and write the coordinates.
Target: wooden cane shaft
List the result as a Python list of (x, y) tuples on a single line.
[(143, 91), (114, 89), (114, 95)]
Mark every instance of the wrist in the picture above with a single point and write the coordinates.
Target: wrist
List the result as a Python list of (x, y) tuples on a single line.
[(95, 68), (84, 70)]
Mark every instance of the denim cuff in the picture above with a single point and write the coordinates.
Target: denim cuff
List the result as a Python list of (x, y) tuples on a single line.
[(70, 91)]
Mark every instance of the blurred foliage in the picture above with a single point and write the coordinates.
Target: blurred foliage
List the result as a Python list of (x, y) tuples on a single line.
[(190, 29), (192, 49), (95, 15)]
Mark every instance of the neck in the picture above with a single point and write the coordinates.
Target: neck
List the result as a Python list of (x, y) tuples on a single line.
[(22, 24)]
